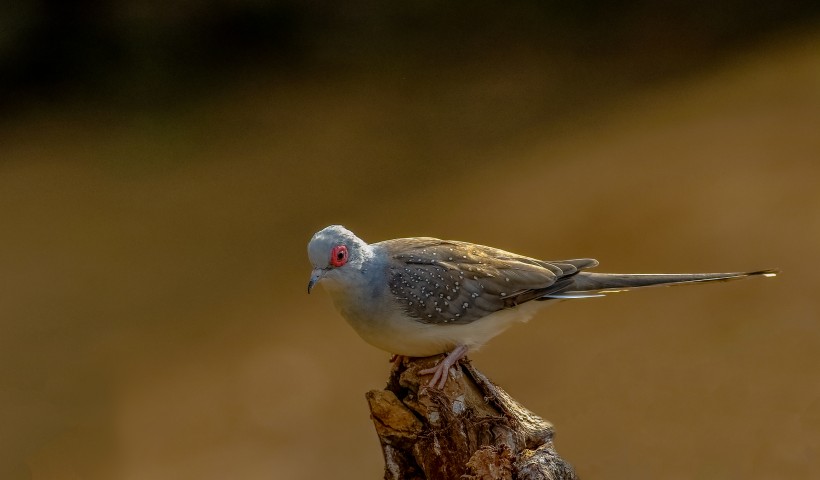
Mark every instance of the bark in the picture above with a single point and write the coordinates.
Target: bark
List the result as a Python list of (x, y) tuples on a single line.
[(471, 429)]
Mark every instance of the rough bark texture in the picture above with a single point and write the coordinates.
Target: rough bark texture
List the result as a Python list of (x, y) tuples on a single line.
[(472, 429)]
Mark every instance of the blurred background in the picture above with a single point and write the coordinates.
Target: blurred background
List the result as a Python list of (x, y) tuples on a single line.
[(162, 167)]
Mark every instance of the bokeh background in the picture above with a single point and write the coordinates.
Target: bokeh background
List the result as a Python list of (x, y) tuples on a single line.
[(163, 165)]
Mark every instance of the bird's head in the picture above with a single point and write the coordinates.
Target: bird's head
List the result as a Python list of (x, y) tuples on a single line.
[(335, 252)]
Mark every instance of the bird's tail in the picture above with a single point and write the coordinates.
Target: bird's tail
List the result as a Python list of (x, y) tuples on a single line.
[(587, 284)]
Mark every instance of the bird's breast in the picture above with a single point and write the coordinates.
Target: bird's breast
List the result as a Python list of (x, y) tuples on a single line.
[(381, 321)]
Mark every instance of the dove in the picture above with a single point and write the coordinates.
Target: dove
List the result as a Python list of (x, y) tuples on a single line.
[(423, 296)]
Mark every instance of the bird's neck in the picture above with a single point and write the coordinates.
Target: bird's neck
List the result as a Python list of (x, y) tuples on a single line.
[(359, 285)]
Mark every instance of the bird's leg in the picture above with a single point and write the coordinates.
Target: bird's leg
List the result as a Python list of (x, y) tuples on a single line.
[(396, 359), (440, 371)]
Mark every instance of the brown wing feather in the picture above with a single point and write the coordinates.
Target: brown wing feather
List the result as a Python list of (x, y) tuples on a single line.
[(440, 281)]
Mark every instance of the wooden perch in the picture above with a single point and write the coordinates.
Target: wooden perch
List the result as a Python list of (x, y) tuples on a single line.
[(472, 429)]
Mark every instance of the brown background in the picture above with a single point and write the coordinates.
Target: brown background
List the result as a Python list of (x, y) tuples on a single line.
[(153, 315)]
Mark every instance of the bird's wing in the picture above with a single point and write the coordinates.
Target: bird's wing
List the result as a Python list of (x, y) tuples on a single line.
[(450, 282)]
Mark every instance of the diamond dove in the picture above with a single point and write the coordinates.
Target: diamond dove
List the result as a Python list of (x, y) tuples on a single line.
[(423, 296)]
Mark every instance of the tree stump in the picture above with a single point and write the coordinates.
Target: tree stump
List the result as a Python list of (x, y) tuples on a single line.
[(472, 429)]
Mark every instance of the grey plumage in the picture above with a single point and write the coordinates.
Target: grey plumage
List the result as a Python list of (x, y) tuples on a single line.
[(446, 281), (422, 296), (616, 282), (451, 282)]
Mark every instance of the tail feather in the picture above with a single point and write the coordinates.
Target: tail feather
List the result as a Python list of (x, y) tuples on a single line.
[(587, 284)]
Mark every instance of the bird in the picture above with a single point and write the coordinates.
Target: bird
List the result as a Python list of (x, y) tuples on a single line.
[(422, 296)]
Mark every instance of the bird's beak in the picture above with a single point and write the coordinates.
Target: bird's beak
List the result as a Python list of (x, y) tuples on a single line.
[(315, 276)]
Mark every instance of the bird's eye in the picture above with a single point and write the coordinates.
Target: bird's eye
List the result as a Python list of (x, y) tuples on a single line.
[(338, 256)]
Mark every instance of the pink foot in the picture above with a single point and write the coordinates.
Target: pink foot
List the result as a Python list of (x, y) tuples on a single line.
[(396, 359), (441, 370)]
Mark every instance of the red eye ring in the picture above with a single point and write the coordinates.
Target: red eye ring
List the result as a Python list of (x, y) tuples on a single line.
[(338, 256)]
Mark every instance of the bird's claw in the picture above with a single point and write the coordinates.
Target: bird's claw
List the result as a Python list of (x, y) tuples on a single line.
[(441, 371)]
